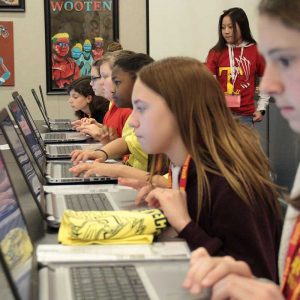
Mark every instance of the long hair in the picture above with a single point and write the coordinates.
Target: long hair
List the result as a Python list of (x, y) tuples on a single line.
[(215, 140), (287, 12), (98, 106), (237, 16)]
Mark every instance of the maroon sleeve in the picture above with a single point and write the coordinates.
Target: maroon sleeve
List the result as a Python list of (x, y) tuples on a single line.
[(261, 64)]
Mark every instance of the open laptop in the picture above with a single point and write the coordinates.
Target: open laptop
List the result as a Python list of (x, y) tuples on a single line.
[(160, 279), (54, 172), (63, 121), (52, 206), (52, 151), (50, 137), (51, 126)]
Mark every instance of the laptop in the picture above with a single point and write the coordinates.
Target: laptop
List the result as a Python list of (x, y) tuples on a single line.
[(145, 279), (54, 172), (50, 137), (52, 151), (51, 126), (63, 121)]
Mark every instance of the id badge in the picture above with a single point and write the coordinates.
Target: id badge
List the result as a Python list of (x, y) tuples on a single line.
[(233, 100)]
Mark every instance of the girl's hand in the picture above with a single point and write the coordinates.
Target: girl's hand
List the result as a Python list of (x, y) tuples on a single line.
[(95, 168), (242, 288), (143, 188), (83, 155), (91, 129), (107, 134), (173, 204), (206, 271)]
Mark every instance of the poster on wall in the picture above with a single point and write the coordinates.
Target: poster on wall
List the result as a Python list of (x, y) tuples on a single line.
[(77, 34), (7, 74), (12, 5)]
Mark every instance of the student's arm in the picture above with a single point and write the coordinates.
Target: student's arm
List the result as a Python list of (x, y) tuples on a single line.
[(114, 150), (111, 170)]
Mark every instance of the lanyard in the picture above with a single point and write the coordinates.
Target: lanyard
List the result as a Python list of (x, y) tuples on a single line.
[(234, 71), (293, 247), (183, 175)]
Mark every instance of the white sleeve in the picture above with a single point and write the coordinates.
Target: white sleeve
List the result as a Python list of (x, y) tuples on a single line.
[(263, 101)]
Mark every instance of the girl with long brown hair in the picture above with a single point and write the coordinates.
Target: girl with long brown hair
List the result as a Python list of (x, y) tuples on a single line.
[(221, 197)]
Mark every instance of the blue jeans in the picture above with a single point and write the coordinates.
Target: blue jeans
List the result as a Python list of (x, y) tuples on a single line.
[(247, 120)]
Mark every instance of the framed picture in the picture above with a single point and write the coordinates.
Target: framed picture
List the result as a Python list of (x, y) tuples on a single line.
[(77, 34), (7, 73), (12, 5)]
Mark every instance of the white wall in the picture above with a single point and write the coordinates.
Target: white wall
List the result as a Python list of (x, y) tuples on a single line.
[(190, 27), (29, 48)]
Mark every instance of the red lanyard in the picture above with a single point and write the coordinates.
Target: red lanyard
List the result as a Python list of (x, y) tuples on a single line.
[(293, 247), (183, 175)]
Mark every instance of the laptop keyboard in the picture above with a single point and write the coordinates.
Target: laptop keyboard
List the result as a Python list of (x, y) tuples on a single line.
[(107, 282), (55, 136), (65, 173), (58, 126), (67, 149), (88, 202), (61, 120)]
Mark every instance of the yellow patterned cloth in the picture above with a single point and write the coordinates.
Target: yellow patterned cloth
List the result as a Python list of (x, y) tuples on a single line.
[(110, 227)]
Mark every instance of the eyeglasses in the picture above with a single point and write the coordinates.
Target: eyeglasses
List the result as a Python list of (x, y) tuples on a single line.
[(93, 78)]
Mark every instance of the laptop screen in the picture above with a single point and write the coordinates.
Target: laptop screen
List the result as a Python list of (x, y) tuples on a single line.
[(21, 103), (19, 152), (15, 244), (28, 135), (39, 104)]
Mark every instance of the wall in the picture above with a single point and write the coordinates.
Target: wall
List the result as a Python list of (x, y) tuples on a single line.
[(29, 45), (192, 25)]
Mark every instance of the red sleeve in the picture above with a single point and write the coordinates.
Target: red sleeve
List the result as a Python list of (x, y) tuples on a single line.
[(261, 64), (212, 62), (126, 112)]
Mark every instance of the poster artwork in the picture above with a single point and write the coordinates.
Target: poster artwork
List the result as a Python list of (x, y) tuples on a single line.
[(7, 74), (79, 34)]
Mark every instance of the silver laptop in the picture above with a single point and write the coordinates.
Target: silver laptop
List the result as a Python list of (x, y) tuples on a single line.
[(51, 126), (50, 137), (54, 172), (52, 151), (54, 121)]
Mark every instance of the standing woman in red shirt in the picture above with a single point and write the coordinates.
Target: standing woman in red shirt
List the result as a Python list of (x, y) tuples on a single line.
[(236, 63)]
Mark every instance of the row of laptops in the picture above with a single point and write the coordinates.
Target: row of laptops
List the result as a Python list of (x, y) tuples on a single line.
[(100, 279), (52, 206), (50, 137), (54, 172), (27, 126)]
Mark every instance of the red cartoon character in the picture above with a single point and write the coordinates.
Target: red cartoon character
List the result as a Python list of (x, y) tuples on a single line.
[(64, 68)]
